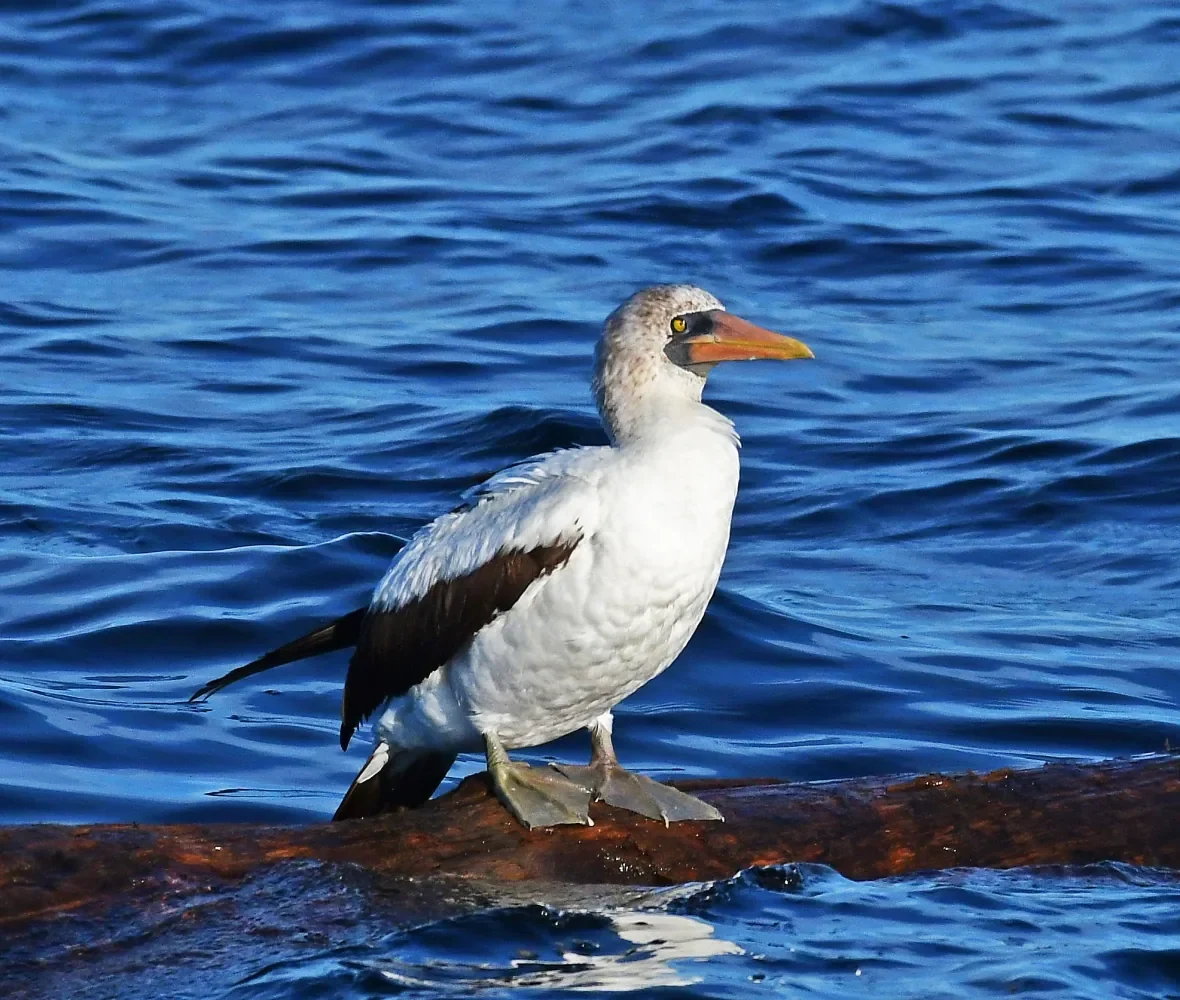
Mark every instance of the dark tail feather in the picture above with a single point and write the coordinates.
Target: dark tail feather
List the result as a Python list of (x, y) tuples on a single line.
[(339, 634), (393, 778)]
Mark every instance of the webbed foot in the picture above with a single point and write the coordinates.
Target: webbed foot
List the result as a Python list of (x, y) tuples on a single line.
[(536, 797), (616, 786)]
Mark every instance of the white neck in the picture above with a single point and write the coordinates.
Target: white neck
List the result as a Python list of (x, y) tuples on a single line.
[(641, 397)]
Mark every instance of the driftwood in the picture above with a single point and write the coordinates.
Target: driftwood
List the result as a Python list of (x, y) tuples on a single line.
[(136, 913), (864, 828)]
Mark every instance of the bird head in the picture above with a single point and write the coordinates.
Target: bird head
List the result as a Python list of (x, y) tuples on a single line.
[(664, 341)]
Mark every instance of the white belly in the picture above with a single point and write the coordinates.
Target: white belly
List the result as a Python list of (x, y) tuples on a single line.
[(581, 640)]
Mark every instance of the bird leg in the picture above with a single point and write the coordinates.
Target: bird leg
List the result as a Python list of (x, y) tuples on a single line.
[(611, 783), (535, 796)]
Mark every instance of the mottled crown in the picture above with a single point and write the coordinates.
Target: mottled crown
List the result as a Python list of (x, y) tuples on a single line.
[(648, 313)]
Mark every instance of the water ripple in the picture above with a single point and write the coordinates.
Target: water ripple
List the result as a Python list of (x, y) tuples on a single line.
[(280, 284)]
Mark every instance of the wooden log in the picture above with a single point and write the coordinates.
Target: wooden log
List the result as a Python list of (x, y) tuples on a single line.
[(1123, 810), (865, 828), (84, 911)]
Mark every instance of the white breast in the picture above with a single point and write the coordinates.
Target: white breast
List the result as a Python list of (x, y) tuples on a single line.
[(620, 611)]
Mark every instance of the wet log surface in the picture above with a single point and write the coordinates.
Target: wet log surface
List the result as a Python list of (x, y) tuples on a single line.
[(62, 889)]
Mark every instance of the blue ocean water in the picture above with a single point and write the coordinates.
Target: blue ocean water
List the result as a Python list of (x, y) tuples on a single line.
[(280, 281)]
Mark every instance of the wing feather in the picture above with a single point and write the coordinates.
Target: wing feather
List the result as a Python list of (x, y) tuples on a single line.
[(339, 634), (462, 570)]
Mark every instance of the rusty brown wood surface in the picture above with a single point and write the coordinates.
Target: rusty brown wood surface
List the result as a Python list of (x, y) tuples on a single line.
[(1123, 810)]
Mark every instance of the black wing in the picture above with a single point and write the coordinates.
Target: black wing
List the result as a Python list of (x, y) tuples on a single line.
[(401, 647)]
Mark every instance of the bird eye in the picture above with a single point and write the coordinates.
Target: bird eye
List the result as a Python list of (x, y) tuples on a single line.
[(679, 324)]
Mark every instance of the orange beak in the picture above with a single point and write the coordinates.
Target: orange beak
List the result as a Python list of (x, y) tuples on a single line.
[(731, 338)]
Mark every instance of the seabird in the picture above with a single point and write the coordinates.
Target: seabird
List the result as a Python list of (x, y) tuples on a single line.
[(560, 586)]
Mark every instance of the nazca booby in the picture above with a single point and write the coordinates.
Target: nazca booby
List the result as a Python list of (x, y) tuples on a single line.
[(561, 586)]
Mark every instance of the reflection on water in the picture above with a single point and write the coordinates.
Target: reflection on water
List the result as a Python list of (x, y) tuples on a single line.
[(662, 950), (1093, 931)]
